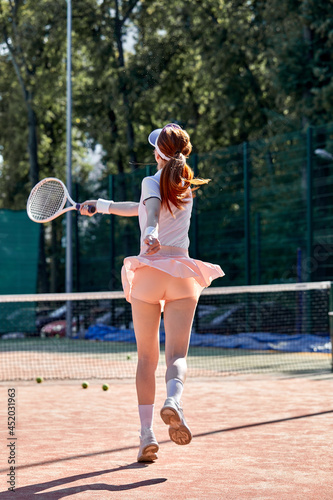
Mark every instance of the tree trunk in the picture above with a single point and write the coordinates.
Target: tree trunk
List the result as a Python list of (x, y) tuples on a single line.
[(21, 69), (123, 87), (34, 178)]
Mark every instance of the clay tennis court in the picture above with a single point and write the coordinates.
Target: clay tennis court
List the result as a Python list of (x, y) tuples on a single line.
[(254, 437)]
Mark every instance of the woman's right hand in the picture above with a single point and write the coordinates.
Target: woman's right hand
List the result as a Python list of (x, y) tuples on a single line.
[(86, 206), (152, 243)]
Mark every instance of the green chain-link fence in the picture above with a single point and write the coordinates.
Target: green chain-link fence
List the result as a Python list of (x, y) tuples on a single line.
[(265, 217)]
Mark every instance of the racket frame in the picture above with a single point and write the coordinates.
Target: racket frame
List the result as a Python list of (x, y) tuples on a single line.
[(62, 210)]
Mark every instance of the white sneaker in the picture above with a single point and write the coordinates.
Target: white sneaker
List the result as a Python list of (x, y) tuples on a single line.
[(148, 446), (172, 415)]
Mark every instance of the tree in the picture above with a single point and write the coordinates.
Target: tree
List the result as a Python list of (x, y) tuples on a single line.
[(227, 70), (300, 59)]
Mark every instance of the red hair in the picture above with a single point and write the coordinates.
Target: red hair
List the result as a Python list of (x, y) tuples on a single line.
[(176, 176)]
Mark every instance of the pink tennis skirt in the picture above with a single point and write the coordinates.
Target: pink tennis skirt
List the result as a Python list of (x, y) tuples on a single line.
[(173, 262)]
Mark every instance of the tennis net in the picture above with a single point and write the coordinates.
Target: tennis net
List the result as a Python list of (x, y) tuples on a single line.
[(277, 328)]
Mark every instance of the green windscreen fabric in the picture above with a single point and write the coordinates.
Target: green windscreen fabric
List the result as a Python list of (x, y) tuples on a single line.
[(19, 244)]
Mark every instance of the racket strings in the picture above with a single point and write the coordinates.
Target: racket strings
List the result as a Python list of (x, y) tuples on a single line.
[(47, 200)]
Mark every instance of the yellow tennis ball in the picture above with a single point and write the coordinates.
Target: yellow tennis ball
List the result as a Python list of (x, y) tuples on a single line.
[(85, 385), (105, 387), (129, 356), (39, 380)]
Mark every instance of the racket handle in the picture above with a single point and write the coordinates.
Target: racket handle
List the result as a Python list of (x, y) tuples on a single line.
[(91, 209)]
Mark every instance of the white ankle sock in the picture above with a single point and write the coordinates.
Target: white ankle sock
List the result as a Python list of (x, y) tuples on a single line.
[(174, 388), (146, 413)]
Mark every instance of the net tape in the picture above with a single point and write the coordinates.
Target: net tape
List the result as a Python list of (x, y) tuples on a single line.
[(233, 290)]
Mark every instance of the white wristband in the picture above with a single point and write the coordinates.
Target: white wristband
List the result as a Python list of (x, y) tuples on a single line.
[(151, 231), (103, 206)]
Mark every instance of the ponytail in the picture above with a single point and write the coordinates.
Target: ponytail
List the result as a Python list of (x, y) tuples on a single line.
[(176, 176), (176, 179)]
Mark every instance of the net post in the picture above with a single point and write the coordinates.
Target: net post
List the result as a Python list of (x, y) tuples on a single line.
[(247, 236), (331, 322), (258, 247), (309, 202), (112, 245)]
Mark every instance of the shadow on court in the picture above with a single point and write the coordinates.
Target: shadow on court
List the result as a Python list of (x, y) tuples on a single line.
[(253, 438), (136, 465), (268, 422), (38, 490), (79, 457)]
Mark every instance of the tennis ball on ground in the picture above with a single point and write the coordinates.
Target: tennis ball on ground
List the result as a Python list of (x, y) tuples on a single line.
[(85, 385), (105, 387), (39, 380)]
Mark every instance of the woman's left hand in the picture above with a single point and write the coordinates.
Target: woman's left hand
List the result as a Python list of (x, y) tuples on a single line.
[(152, 243)]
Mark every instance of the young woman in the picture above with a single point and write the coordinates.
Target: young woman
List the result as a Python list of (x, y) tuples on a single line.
[(163, 277)]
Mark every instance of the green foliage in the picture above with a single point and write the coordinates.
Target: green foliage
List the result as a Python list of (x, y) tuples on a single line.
[(228, 71), (300, 51)]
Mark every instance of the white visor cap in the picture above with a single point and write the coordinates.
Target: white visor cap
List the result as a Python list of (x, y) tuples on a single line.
[(153, 136), (152, 139)]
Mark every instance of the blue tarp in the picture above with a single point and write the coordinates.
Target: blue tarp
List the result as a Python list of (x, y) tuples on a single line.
[(257, 341)]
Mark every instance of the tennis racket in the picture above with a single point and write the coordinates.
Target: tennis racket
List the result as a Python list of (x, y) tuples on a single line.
[(48, 199)]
